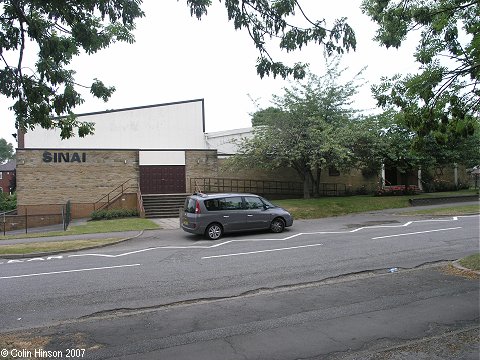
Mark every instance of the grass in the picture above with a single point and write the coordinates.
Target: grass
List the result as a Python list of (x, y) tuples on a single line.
[(93, 227), (450, 211), (335, 206), (471, 262), (49, 246)]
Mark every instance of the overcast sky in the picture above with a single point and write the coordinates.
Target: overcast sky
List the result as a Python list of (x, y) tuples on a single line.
[(176, 57)]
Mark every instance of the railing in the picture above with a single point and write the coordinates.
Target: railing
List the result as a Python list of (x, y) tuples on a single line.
[(265, 187), (332, 189), (106, 200), (18, 224), (141, 209), (262, 187)]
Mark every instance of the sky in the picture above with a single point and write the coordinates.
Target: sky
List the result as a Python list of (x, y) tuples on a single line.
[(177, 57)]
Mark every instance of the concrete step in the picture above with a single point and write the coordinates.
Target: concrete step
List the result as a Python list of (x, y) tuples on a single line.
[(163, 205)]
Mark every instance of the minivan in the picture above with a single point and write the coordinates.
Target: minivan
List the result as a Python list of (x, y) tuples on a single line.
[(213, 215)]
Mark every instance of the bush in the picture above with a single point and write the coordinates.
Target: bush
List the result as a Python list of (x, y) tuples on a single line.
[(113, 214), (8, 202), (397, 190)]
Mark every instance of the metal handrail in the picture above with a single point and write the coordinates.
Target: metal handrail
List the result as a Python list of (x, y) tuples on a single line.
[(272, 187), (109, 200), (140, 202), (246, 185)]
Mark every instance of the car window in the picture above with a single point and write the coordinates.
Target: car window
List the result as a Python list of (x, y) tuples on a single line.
[(232, 203), (214, 204), (253, 202), (268, 203), (190, 205)]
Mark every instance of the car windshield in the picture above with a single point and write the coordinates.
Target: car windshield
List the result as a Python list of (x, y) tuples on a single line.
[(268, 203), (190, 204)]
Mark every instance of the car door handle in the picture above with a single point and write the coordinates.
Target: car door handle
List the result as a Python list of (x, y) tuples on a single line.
[(249, 215), (226, 216)]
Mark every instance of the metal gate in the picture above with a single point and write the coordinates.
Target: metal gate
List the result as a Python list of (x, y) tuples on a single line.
[(162, 179)]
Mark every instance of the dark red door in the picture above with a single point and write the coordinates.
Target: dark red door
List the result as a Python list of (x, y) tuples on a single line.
[(162, 179)]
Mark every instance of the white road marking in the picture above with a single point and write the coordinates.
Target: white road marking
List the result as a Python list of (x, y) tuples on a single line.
[(415, 233), (260, 251), (454, 218), (68, 271)]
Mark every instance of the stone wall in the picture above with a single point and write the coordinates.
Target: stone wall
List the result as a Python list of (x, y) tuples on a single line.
[(45, 181), (200, 164)]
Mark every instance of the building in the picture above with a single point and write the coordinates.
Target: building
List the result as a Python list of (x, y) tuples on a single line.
[(139, 152), (7, 177), (155, 149)]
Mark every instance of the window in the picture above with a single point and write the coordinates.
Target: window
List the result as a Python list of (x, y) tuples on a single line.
[(253, 202), (190, 206), (333, 171), (232, 203), (1, 175), (214, 204)]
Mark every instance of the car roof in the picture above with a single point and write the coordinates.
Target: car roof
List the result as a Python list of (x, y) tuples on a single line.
[(221, 195)]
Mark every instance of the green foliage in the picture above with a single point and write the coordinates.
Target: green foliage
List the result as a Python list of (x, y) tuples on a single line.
[(307, 129), (44, 91), (113, 214), (8, 202), (443, 100), (471, 262), (6, 151), (265, 20)]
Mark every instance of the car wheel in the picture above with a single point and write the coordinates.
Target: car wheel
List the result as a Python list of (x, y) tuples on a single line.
[(214, 231), (277, 225)]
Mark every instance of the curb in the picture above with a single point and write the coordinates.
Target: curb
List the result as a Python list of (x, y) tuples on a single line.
[(51, 253), (438, 200), (456, 264)]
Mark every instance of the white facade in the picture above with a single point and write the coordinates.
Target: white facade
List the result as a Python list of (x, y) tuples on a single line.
[(179, 125), (226, 142), (161, 157)]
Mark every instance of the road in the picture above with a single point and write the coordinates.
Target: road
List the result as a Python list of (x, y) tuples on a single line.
[(322, 289)]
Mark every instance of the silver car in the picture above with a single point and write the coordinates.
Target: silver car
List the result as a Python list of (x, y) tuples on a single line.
[(215, 214)]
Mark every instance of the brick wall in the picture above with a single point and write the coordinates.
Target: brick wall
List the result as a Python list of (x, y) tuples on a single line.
[(40, 183), (200, 164)]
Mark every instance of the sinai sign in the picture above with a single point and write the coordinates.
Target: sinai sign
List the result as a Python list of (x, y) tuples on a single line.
[(59, 157)]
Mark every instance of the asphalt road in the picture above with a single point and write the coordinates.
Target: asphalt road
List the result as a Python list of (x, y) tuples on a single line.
[(322, 289)]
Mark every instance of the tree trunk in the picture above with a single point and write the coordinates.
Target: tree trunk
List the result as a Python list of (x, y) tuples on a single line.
[(306, 187)]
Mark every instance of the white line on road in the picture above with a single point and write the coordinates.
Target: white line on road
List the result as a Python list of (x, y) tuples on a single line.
[(415, 233), (68, 271), (223, 243), (260, 251)]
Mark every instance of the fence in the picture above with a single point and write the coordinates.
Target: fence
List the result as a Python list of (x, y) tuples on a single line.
[(15, 224), (273, 189), (261, 187)]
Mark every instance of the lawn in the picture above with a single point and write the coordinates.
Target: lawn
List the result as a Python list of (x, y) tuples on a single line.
[(471, 262), (54, 246), (335, 206), (450, 211), (93, 227)]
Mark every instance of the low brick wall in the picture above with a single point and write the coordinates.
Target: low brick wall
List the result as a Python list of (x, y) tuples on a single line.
[(20, 222), (443, 200)]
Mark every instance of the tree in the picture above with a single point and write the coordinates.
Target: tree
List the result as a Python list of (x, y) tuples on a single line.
[(384, 138), (45, 92), (6, 151), (444, 98), (271, 19), (60, 30), (305, 130)]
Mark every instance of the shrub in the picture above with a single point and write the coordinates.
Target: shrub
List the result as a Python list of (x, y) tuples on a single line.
[(113, 214), (397, 190), (8, 202)]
